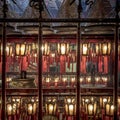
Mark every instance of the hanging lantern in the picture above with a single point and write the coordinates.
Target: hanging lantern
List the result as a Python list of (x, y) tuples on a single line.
[(106, 48), (70, 106), (85, 101), (105, 80), (20, 49), (97, 48), (88, 79), (34, 46), (17, 100), (109, 109), (11, 108), (97, 80), (85, 50), (56, 81), (82, 80), (73, 81), (47, 81), (28, 48), (31, 108), (51, 106), (64, 80), (9, 50), (63, 48), (92, 108), (46, 48), (103, 101)]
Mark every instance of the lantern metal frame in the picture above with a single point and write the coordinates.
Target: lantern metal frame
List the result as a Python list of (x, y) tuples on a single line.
[(51, 106), (70, 102)]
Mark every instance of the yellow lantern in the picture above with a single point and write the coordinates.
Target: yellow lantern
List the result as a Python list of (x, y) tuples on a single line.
[(103, 101), (97, 80), (106, 48), (11, 108), (91, 108), (64, 79), (47, 81), (97, 48), (85, 50), (46, 48), (51, 106), (70, 106), (88, 79), (109, 109), (81, 79), (63, 48), (34, 46), (28, 48), (9, 50), (20, 49), (31, 108)]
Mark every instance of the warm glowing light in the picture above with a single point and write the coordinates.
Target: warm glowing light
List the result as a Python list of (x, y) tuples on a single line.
[(50, 108), (8, 79), (104, 100), (106, 48), (88, 79), (85, 49), (30, 109), (62, 49), (69, 100), (47, 80), (97, 79), (73, 79), (81, 79), (109, 109), (9, 50), (42, 48), (92, 108), (97, 49), (86, 100), (56, 79), (52, 54), (35, 55), (105, 79), (20, 49), (64, 79), (70, 106), (46, 48), (119, 102), (9, 109)]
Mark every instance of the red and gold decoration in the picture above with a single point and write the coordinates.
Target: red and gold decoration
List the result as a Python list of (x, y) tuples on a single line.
[(70, 106), (51, 106)]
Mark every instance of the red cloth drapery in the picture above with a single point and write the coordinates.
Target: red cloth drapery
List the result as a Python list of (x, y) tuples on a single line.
[(62, 63), (83, 64)]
